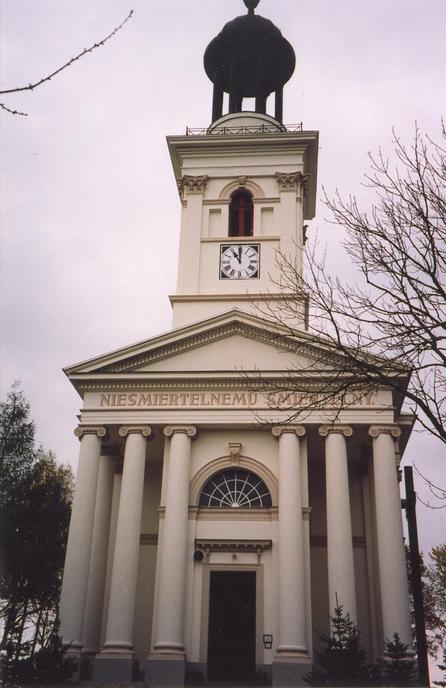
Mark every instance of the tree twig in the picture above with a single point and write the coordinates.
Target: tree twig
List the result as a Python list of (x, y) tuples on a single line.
[(32, 86)]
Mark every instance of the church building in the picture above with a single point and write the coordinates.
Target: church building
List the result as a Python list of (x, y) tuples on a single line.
[(211, 536)]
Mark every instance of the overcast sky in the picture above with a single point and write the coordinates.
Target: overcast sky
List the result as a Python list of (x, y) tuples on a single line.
[(90, 211)]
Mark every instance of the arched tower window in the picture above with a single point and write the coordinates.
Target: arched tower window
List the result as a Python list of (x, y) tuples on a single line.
[(235, 488), (241, 213)]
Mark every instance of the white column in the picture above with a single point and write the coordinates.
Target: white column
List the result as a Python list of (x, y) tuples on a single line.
[(121, 609), (172, 589), (389, 532), (291, 189), (192, 191), (341, 571), (77, 558), (292, 621), (98, 560)]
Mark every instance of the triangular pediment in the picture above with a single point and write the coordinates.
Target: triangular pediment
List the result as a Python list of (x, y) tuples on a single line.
[(235, 341)]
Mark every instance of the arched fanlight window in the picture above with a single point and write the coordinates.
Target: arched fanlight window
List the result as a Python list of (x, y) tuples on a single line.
[(235, 488), (241, 213)]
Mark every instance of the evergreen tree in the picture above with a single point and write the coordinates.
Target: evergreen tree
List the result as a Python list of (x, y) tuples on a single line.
[(35, 497), (16, 444), (442, 666), (16, 459), (433, 579), (435, 584), (398, 668), (341, 661)]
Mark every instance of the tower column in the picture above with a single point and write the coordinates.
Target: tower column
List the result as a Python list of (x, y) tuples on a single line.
[(292, 650), (217, 100), (115, 663), (192, 189), (278, 112), (167, 663), (389, 531), (341, 571), (98, 560), (291, 190), (77, 559)]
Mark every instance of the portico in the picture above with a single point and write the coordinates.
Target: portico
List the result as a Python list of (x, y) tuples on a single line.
[(141, 511)]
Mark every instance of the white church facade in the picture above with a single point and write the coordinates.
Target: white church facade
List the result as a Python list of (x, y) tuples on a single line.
[(211, 536)]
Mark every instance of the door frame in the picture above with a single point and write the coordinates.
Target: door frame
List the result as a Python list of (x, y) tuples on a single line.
[(232, 568)]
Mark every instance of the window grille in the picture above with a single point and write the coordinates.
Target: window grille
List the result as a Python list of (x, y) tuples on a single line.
[(235, 488)]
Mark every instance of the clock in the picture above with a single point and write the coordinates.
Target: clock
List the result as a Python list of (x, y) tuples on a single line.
[(239, 261)]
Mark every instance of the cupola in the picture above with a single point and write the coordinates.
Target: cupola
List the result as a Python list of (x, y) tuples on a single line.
[(249, 59)]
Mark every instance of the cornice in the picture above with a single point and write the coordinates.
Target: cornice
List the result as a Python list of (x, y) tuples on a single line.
[(228, 144), (265, 383), (241, 296), (241, 240), (210, 545)]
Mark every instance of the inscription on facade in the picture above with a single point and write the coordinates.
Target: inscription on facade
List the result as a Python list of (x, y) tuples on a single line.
[(271, 400)]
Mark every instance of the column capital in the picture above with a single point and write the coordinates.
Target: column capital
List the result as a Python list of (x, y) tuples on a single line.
[(298, 430), (144, 430), (290, 181), (392, 430), (193, 185), (97, 430), (345, 430), (189, 430)]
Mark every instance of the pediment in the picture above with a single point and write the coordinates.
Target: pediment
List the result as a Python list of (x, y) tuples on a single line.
[(235, 341)]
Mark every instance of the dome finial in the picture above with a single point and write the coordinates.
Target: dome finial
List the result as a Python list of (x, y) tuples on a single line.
[(251, 5)]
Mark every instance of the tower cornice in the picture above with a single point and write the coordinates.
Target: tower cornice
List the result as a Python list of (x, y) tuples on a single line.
[(270, 144)]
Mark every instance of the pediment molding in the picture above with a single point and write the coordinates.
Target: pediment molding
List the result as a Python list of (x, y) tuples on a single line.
[(190, 383), (287, 343), (131, 365)]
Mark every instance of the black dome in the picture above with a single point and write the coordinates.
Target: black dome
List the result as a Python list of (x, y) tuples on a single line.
[(264, 59), (249, 59)]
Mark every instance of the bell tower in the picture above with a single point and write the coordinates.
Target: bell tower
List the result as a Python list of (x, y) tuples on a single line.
[(247, 182)]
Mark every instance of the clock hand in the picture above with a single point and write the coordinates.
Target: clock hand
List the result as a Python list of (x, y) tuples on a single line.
[(239, 254), (234, 253)]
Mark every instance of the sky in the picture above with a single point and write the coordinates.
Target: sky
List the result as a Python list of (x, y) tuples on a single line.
[(90, 210)]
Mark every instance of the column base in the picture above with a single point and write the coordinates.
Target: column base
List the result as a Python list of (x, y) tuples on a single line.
[(165, 671), (289, 671), (114, 669)]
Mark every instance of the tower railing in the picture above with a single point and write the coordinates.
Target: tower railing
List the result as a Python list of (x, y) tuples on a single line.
[(258, 129)]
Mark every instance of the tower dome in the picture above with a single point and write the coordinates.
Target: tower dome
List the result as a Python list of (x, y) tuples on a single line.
[(249, 59)]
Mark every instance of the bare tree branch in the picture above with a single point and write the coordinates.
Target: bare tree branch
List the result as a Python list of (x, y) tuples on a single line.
[(13, 112), (388, 329), (437, 492), (32, 86)]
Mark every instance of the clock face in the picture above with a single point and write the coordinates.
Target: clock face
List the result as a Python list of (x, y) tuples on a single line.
[(239, 261)]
